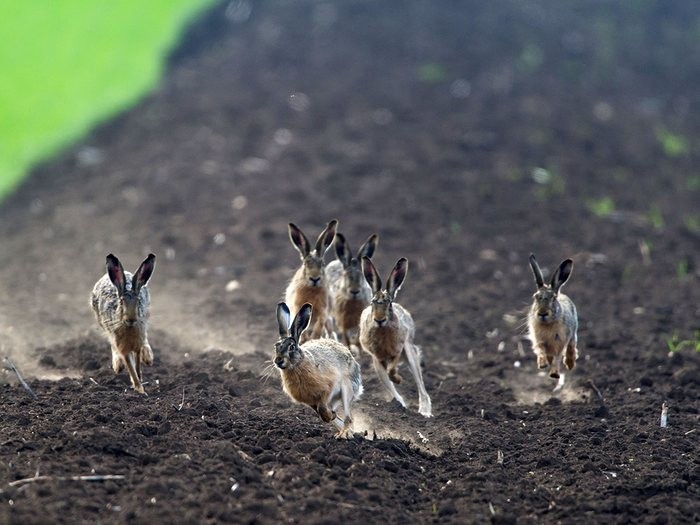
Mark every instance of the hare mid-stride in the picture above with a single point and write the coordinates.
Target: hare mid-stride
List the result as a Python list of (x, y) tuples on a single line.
[(349, 289), (386, 332), (552, 320), (309, 282), (120, 301), (320, 373)]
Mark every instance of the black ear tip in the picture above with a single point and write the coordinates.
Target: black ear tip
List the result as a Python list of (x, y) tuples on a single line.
[(333, 223), (151, 256)]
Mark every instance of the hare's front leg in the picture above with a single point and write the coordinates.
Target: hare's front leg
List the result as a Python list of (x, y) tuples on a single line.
[(146, 353), (319, 327), (130, 362), (542, 360), (571, 355), (384, 378), (327, 415), (117, 361)]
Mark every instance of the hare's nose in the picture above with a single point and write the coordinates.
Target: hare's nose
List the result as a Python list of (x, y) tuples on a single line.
[(279, 362), (314, 280), (354, 292)]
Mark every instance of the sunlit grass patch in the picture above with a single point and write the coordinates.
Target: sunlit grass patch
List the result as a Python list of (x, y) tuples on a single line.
[(69, 64)]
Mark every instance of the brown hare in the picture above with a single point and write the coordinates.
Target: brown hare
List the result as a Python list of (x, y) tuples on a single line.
[(552, 320), (309, 282), (349, 289), (120, 301), (387, 331), (320, 373)]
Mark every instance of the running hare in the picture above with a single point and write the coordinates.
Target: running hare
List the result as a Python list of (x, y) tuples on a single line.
[(387, 330), (321, 373), (120, 301), (309, 282), (552, 321), (349, 289)]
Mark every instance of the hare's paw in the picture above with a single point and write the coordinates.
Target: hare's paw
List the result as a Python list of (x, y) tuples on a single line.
[(394, 376), (425, 408), (541, 361), (147, 354), (344, 433), (326, 414)]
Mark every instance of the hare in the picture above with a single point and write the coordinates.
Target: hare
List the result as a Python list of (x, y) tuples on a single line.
[(321, 373), (120, 301), (350, 292), (387, 330), (552, 321), (309, 282)]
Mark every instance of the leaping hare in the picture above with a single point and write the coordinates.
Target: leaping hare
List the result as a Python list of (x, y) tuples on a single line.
[(309, 282), (387, 330), (349, 289), (552, 320), (120, 301), (320, 373)]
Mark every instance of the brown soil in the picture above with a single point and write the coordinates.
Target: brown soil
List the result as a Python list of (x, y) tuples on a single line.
[(424, 122)]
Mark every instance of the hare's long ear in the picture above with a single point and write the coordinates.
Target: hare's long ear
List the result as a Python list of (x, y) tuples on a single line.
[(325, 240), (367, 249), (536, 271), (562, 274), (284, 319), (301, 321), (299, 240), (342, 250), (143, 274), (396, 277), (115, 270), (371, 275)]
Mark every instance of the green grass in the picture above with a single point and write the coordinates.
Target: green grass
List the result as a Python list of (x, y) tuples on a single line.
[(68, 64)]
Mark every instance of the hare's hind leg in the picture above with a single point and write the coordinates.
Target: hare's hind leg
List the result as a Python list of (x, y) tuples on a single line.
[(425, 406), (347, 395), (384, 378), (130, 362)]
